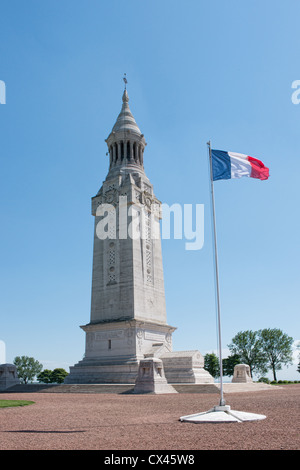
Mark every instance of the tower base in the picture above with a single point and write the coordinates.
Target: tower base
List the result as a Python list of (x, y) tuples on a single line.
[(94, 372), (114, 349)]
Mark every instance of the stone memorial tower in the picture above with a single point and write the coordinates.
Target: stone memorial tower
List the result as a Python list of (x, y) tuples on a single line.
[(128, 312)]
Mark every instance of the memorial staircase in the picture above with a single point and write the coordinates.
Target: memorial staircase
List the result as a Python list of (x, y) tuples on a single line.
[(103, 388)]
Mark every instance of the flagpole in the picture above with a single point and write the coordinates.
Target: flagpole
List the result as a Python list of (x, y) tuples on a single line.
[(222, 401), (221, 413)]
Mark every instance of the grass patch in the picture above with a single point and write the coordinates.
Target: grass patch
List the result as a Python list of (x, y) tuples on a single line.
[(9, 403)]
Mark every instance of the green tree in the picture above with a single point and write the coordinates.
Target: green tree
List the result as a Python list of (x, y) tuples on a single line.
[(45, 376), (212, 365), (229, 363), (277, 348), (247, 345), (52, 376), (58, 375), (27, 368)]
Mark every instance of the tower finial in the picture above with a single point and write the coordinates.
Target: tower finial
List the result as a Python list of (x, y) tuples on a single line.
[(125, 80)]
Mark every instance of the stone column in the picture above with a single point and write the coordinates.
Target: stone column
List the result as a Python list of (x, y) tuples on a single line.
[(119, 153), (125, 150), (114, 153), (131, 151)]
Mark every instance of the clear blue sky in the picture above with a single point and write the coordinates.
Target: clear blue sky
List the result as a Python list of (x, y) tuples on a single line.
[(196, 71)]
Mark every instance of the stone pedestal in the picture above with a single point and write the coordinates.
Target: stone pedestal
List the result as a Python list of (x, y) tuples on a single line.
[(8, 376), (185, 367), (151, 378), (242, 374), (114, 349)]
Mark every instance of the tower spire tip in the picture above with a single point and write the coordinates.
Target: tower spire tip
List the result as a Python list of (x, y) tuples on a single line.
[(125, 80)]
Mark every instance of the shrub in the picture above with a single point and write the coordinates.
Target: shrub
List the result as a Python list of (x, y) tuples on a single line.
[(264, 380)]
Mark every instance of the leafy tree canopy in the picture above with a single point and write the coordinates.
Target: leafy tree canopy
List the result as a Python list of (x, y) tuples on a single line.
[(277, 348), (247, 345), (27, 368), (212, 365), (229, 363), (58, 375), (45, 376), (52, 376), (262, 350)]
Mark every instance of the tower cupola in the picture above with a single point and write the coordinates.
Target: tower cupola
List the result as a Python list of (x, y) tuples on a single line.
[(125, 143)]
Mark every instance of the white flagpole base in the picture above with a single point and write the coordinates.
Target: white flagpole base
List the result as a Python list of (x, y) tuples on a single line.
[(222, 414)]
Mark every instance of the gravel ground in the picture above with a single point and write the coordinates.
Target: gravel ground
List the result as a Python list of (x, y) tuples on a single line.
[(81, 421)]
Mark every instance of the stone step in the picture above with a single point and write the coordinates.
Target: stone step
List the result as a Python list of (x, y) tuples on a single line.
[(196, 388), (28, 388), (70, 388), (103, 388), (91, 388)]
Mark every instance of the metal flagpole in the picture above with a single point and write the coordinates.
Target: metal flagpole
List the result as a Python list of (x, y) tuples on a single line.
[(222, 401)]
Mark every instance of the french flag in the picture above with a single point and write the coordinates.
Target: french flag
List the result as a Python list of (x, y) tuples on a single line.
[(227, 165)]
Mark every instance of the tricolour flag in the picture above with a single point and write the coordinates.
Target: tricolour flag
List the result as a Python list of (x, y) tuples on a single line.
[(227, 165)]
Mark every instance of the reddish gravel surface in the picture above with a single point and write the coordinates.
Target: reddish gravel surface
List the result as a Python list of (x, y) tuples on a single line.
[(81, 421)]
